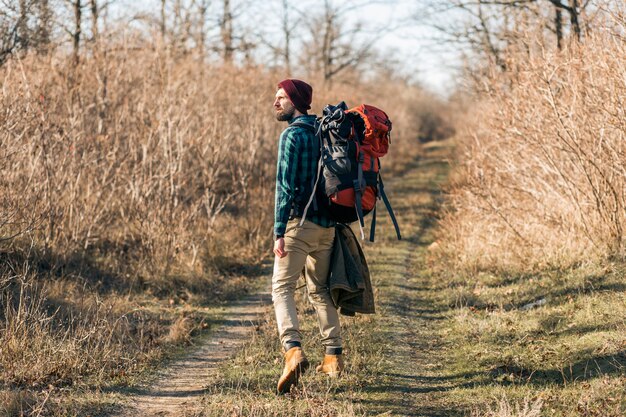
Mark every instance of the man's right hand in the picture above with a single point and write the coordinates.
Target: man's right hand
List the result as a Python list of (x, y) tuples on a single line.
[(279, 247)]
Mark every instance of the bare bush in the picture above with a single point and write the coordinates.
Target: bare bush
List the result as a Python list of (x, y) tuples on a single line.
[(140, 156), (46, 342), (543, 180)]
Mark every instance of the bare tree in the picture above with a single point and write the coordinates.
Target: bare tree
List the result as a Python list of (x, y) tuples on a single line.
[(233, 37), (76, 7), (162, 22), (573, 9), (558, 27), (289, 20), (287, 29), (488, 40), (44, 29), (200, 38), (489, 27), (187, 24), (9, 24), (100, 59), (23, 33), (24, 24), (95, 12), (335, 46), (226, 31)]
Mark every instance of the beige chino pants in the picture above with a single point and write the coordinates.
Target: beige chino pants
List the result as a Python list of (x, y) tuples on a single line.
[(308, 247)]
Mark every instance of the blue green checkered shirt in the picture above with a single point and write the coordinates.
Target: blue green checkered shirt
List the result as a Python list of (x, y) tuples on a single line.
[(298, 155)]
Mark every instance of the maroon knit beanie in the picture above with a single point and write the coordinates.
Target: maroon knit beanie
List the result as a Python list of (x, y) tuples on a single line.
[(299, 92)]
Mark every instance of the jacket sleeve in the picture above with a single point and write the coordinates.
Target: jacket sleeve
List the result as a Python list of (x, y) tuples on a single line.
[(286, 169)]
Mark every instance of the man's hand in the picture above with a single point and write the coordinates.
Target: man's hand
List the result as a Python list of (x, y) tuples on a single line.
[(279, 247)]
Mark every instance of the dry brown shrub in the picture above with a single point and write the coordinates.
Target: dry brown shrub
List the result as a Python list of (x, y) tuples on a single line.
[(180, 331), (163, 162), (48, 341), (138, 155), (543, 175)]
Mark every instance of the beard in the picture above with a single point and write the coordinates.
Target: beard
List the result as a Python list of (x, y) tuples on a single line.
[(285, 115)]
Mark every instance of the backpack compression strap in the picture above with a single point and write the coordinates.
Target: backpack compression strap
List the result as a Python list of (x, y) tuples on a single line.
[(359, 186), (381, 190)]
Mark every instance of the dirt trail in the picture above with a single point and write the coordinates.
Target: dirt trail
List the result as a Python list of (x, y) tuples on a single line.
[(415, 382), (178, 388)]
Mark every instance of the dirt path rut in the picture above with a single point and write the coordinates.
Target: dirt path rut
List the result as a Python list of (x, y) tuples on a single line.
[(178, 388)]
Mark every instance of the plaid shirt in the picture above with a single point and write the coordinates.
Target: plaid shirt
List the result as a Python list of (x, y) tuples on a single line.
[(298, 155)]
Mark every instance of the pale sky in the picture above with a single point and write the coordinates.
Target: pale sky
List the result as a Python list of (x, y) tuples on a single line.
[(435, 66)]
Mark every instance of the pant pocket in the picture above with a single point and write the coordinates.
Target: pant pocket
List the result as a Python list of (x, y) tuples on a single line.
[(292, 225)]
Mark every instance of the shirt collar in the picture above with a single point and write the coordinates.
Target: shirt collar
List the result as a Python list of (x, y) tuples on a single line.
[(307, 118)]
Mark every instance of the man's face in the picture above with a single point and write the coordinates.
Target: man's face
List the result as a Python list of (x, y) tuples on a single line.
[(283, 106)]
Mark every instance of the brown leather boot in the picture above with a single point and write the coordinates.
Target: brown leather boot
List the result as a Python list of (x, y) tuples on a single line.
[(331, 366), (295, 365)]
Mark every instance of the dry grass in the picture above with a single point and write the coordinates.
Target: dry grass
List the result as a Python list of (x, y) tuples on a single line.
[(45, 339), (543, 176), (504, 408)]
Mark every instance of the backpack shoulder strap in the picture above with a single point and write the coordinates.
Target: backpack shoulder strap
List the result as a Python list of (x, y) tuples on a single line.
[(316, 130)]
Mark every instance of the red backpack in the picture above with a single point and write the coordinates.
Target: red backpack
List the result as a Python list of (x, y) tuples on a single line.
[(352, 142)]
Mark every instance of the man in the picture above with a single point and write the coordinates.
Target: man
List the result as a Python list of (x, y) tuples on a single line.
[(301, 244)]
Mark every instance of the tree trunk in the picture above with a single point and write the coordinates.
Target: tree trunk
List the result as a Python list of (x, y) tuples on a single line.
[(327, 45), (227, 33), (287, 34), (558, 23), (201, 29), (175, 32), (574, 18), (45, 26), (22, 26), (93, 6), (77, 30), (163, 28)]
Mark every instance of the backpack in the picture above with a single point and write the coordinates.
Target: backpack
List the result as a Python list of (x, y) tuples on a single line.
[(348, 177)]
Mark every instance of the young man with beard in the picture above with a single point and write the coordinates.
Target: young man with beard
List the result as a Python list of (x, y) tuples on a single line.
[(301, 244)]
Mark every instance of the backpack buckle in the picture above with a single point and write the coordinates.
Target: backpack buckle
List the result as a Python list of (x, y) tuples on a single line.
[(358, 185)]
